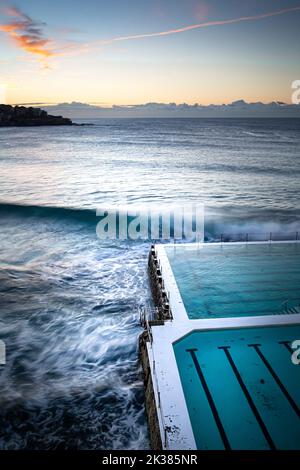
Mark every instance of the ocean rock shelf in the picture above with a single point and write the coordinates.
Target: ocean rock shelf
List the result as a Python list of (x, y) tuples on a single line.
[(19, 116)]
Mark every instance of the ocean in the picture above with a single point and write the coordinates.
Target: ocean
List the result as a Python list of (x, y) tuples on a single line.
[(69, 301)]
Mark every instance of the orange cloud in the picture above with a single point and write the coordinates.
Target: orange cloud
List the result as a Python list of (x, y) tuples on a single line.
[(28, 35), (201, 10)]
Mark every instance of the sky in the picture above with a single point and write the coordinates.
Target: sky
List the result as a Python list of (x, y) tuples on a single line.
[(128, 52)]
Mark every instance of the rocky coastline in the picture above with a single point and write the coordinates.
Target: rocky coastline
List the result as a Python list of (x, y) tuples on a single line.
[(19, 116)]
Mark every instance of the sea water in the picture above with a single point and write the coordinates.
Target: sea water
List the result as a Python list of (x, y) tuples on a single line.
[(69, 302)]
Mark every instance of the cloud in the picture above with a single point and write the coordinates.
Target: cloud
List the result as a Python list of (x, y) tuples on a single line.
[(201, 10), (203, 25), (28, 35), (238, 109)]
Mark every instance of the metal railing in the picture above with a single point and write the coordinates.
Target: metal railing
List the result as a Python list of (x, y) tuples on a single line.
[(239, 237), (255, 236)]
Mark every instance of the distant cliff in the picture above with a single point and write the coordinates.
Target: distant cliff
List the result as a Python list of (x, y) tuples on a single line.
[(22, 116)]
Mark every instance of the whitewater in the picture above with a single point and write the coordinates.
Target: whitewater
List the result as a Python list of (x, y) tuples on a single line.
[(69, 301)]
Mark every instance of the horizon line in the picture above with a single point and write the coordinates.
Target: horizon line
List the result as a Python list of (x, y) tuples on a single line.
[(111, 106)]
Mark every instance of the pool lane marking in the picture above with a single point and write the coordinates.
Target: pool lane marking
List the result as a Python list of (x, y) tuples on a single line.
[(275, 377), (249, 398), (287, 345), (209, 398)]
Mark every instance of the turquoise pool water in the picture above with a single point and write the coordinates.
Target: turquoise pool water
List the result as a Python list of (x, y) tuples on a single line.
[(237, 280), (241, 387)]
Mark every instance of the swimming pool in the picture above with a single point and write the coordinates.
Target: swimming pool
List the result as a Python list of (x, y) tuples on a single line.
[(241, 387), (237, 280), (221, 364)]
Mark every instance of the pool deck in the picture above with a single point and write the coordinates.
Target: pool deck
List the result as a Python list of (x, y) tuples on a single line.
[(173, 417)]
